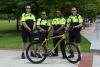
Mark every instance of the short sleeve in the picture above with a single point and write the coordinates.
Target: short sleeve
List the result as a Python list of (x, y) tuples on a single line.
[(38, 21), (22, 17), (55, 21), (33, 17), (49, 22), (63, 21), (80, 19), (69, 19)]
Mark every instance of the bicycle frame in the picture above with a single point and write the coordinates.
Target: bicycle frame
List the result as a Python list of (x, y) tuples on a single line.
[(59, 36), (44, 52)]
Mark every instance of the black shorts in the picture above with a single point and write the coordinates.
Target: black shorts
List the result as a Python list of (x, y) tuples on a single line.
[(25, 33), (26, 36), (45, 35), (45, 28), (74, 36)]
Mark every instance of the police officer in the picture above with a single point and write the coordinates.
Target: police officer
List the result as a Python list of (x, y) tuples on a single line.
[(75, 22), (28, 24), (43, 23), (58, 24)]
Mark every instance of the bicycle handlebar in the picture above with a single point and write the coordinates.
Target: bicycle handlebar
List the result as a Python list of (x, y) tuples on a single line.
[(46, 31)]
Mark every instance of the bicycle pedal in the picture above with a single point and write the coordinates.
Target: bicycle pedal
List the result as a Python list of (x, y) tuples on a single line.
[(39, 56), (46, 54), (71, 56), (79, 59)]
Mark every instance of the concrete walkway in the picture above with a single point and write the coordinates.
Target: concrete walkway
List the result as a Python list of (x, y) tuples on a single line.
[(93, 35), (11, 58)]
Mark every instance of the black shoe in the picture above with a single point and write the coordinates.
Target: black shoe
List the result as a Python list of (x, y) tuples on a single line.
[(71, 56), (64, 56), (80, 58), (32, 54), (23, 56), (54, 54)]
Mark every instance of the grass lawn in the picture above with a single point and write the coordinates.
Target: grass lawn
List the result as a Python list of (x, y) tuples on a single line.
[(5, 25), (85, 45), (9, 38)]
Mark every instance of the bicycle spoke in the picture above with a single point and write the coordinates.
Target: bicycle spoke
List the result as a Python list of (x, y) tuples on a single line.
[(72, 53), (38, 53)]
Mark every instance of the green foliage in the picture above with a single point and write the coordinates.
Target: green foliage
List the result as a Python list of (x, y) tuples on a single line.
[(86, 8), (89, 10), (51, 5)]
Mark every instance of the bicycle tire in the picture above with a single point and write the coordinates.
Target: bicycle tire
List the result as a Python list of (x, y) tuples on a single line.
[(68, 45), (29, 58)]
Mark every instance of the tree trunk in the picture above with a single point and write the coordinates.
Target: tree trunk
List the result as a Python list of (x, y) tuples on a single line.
[(17, 25)]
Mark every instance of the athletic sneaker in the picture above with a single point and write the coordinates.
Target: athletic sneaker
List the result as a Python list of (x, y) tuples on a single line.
[(71, 56), (23, 55), (32, 54)]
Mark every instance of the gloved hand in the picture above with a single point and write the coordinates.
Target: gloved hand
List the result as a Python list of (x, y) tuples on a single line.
[(70, 28)]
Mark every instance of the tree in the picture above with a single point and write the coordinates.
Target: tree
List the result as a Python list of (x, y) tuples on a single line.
[(16, 7), (87, 8)]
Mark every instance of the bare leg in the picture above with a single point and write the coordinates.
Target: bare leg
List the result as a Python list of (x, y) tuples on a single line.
[(78, 45), (23, 50), (23, 47)]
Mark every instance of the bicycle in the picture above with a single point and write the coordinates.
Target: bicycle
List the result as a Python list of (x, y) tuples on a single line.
[(43, 50)]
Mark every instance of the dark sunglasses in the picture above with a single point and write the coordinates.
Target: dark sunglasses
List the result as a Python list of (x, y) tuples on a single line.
[(28, 8), (43, 14), (73, 10)]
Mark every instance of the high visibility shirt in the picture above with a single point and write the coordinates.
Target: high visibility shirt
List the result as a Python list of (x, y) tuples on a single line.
[(58, 21), (43, 22), (75, 19), (27, 16)]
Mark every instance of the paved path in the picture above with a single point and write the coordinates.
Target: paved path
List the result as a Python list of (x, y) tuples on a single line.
[(11, 58), (94, 36)]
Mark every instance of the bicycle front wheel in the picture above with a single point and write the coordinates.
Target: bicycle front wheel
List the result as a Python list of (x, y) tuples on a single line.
[(72, 53), (35, 53)]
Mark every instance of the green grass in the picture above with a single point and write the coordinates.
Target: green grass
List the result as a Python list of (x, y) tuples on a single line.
[(85, 45), (5, 25), (9, 38)]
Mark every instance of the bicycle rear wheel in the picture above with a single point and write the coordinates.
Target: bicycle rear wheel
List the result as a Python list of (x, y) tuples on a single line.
[(34, 54), (72, 53)]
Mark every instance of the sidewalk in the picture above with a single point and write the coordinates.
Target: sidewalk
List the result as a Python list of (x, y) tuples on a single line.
[(88, 30), (11, 58), (92, 34)]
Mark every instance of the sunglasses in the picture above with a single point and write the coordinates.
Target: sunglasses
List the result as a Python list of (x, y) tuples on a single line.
[(73, 10), (28, 8), (43, 14)]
